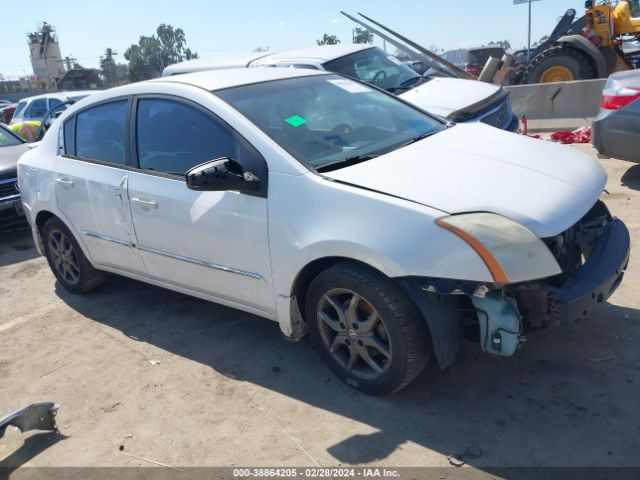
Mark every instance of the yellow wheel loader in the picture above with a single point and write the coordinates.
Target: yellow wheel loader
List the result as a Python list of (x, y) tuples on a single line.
[(594, 52)]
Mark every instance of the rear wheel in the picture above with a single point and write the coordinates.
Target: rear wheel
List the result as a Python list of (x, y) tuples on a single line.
[(561, 63), (368, 332), (65, 257)]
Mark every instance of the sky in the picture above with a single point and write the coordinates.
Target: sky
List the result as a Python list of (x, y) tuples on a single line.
[(86, 28)]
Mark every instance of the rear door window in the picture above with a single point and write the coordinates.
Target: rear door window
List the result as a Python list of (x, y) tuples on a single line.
[(100, 132)]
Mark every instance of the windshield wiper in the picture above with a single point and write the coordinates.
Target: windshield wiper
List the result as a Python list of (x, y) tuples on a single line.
[(422, 136), (347, 162), (412, 81)]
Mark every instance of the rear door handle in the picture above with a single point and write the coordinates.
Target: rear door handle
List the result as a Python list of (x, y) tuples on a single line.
[(65, 181), (146, 203)]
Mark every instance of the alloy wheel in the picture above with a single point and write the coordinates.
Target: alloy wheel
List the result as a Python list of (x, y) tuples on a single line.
[(63, 256), (354, 333)]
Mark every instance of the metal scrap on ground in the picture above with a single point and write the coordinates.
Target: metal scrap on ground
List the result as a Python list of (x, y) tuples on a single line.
[(37, 416)]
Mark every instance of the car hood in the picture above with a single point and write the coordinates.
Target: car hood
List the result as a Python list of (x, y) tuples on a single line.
[(476, 168), (9, 157), (444, 96)]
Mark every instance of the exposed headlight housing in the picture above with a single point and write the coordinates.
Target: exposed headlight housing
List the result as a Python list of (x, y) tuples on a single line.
[(511, 251)]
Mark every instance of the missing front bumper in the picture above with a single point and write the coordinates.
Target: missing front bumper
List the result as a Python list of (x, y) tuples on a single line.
[(581, 293)]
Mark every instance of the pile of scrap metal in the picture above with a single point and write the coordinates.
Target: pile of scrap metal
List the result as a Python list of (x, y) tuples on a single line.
[(592, 46), (500, 71), (437, 65), (38, 416)]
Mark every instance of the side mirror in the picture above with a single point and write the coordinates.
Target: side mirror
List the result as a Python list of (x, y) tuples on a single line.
[(220, 175)]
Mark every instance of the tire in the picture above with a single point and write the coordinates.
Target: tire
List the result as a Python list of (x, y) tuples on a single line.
[(366, 318), (66, 259), (574, 61)]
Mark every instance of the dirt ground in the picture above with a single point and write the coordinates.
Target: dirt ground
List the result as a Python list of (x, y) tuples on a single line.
[(144, 371)]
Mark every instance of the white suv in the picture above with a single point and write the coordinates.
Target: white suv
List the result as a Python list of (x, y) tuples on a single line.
[(35, 108), (327, 206)]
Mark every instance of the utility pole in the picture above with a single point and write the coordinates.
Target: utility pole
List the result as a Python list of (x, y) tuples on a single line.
[(529, 38), (520, 2)]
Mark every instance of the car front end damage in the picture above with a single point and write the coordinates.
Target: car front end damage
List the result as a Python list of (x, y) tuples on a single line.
[(592, 254)]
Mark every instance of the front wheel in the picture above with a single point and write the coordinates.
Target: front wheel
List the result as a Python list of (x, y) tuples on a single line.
[(368, 332)]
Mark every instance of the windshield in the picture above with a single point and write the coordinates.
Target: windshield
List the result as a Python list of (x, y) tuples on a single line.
[(7, 140), (376, 67), (328, 121)]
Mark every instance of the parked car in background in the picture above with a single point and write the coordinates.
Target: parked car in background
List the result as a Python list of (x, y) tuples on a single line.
[(329, 206), (34, 108), (11, 212), (6, 113), (473, 60), (32, 130), (4, 103), (456, 99), (616, 131)]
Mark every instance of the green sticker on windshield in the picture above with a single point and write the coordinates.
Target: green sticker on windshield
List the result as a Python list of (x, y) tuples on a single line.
[(295, 120)]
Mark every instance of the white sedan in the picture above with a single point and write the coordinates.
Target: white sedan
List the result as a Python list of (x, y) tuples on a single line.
[(328, 206)]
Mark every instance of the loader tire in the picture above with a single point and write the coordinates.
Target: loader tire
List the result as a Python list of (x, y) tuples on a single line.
[(562, 63)]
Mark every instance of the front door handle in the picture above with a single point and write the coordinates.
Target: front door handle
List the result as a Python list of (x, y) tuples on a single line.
[(146, 203), (65, 181)]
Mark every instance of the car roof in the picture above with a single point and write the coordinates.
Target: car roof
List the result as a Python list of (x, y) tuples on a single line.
[(322, 53), (220, 61), (60, 95), (220, 79)]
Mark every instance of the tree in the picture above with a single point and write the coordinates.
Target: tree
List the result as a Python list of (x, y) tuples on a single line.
[(506, 44), (361, 35), (260, 48), (328, 40), (152, 54), (122, 73)]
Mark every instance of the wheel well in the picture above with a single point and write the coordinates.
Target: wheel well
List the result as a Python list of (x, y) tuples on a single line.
[(311, 271), (41, 219), (586, 53)]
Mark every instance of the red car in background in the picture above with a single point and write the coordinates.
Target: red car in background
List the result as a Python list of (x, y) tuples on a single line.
[(6, 113)]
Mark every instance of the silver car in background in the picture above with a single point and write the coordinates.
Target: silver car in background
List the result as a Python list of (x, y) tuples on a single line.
[(616, 131)]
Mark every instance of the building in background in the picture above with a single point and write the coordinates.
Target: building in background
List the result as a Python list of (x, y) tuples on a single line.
[(46, 58)]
